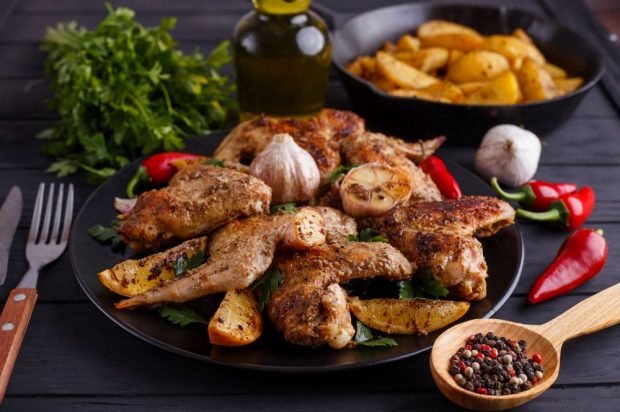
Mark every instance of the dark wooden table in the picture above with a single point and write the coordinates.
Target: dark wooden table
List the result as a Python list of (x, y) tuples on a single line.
[(73, 358)]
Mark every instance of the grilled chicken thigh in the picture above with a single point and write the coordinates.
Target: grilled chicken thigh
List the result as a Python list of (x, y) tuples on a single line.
[(437, 237), (309, 307), (376, 147), (319, 135), (198, 199)]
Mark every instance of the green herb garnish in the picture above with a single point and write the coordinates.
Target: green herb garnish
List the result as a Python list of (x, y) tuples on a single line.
[(107, 234), (424, 286), (364, 337), (123, 90), (367, 235), (180, 315), (340, 171), (267, 285), (182, 265), (214, 162), (283, 208)]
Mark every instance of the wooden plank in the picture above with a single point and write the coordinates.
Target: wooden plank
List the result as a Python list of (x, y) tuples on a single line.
[(111, 362), (555, 399), (142, 6)]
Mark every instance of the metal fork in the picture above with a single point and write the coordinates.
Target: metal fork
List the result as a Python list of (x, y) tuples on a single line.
[(46, 242)]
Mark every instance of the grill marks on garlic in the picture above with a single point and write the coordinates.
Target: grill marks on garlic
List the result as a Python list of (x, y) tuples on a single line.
[(372, 189)]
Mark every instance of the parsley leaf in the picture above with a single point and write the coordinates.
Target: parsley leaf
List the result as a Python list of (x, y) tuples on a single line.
[(107, 234), (122, 90), (364, 337), (283, 208), (214, 162), (367, 235), (340, 171), (267, 285), (423, 286), (182, 265), (180, 315)]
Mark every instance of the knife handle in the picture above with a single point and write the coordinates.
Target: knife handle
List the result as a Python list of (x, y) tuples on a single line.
[(13, 323)]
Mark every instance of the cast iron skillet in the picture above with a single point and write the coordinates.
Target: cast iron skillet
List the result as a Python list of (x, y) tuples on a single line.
[(462, 124), (503, 252)]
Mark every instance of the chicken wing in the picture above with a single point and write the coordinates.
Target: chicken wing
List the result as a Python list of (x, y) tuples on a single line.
[(319, 135), (198, 199), (310, 307), (376, 147)]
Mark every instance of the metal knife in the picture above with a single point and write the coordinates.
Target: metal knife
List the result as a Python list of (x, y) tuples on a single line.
[(10, 213)]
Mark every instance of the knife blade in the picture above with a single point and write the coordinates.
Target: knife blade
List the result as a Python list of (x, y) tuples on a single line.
[(10, 213)]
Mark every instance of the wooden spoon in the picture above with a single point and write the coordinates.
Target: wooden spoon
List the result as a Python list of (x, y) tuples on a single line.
[(591, 315)]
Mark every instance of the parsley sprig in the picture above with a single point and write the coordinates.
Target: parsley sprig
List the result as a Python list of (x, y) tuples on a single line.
[(367, 235), (365, 337), (109, 234), (340, 171), (267, 285), (182, 264), (283, 208), (180, 315), (423, 286)]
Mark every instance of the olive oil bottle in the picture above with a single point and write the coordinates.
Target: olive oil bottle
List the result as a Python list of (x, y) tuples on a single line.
[(282, 55)]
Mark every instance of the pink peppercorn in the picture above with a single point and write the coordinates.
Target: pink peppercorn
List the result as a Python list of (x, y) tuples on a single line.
[(482, 391), (493, 353), (537, 358)]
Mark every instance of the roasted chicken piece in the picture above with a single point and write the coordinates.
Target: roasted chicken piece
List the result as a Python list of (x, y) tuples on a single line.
[(239, 253), (198, 199), (437, 237), (310, 307), (319, 135), (376, 147), (338, 225)]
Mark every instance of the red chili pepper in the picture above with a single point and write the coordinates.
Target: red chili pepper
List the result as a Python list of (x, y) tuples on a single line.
[(535, 195), (571, 210), (582, 255), (437, 170), (157, 169)]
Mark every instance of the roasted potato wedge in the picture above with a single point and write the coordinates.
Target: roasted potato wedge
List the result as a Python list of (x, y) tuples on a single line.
[(469, 88), (454, 56), (554, 71), (568, 85), (441, 91), (535, 82), (237, 321), (504, 89), (134, 276), (439, 33), (408, 43), (402, 74), (407, 316), (477, 66), (427, 60), (520, 34), (512, 48)]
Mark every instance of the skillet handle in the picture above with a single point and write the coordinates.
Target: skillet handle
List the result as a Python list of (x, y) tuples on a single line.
[(334, 19)]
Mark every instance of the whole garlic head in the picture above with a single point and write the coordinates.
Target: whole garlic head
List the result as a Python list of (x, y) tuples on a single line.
[(289, 170), (509, 153)]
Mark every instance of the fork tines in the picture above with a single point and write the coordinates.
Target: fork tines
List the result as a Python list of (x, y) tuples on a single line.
[(41, 233)]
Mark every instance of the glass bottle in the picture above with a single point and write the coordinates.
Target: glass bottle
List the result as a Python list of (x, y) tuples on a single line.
[(282, 55)]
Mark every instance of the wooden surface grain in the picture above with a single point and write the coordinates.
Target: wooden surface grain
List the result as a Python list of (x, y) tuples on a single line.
[(73, 358)]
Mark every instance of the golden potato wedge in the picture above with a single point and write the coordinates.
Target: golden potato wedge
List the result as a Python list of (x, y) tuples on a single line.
[(536, 83), (237, 321), (408, 43), (476, 66), (389, 47), (363, 66), (568, 85), (418, 94), (454, 56), (469, 88), (407, 316), (427, 60), (554, 71), (401, 73), (134, 276), (504, 89), (441, 91), (440, 33), (522, 35), (512, 48)]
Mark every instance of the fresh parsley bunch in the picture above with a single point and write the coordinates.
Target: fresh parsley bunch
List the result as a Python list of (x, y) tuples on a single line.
[(123, 90)]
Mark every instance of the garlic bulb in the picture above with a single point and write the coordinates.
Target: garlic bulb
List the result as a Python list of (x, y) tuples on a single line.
[(289, 170), (509, 153)]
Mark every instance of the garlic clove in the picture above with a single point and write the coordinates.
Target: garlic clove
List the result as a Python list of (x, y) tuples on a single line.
[(509, 153), (373, 189), (306, 229), (289, 170)]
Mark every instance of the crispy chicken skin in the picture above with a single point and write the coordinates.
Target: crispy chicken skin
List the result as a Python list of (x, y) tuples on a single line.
[(376, 147), (338, 225), (437, 237), (310, 307), (478, 215), (198, 199), (319, 135)]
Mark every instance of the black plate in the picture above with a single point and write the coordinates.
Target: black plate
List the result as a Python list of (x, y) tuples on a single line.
[(462, 124), (504, 254)]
